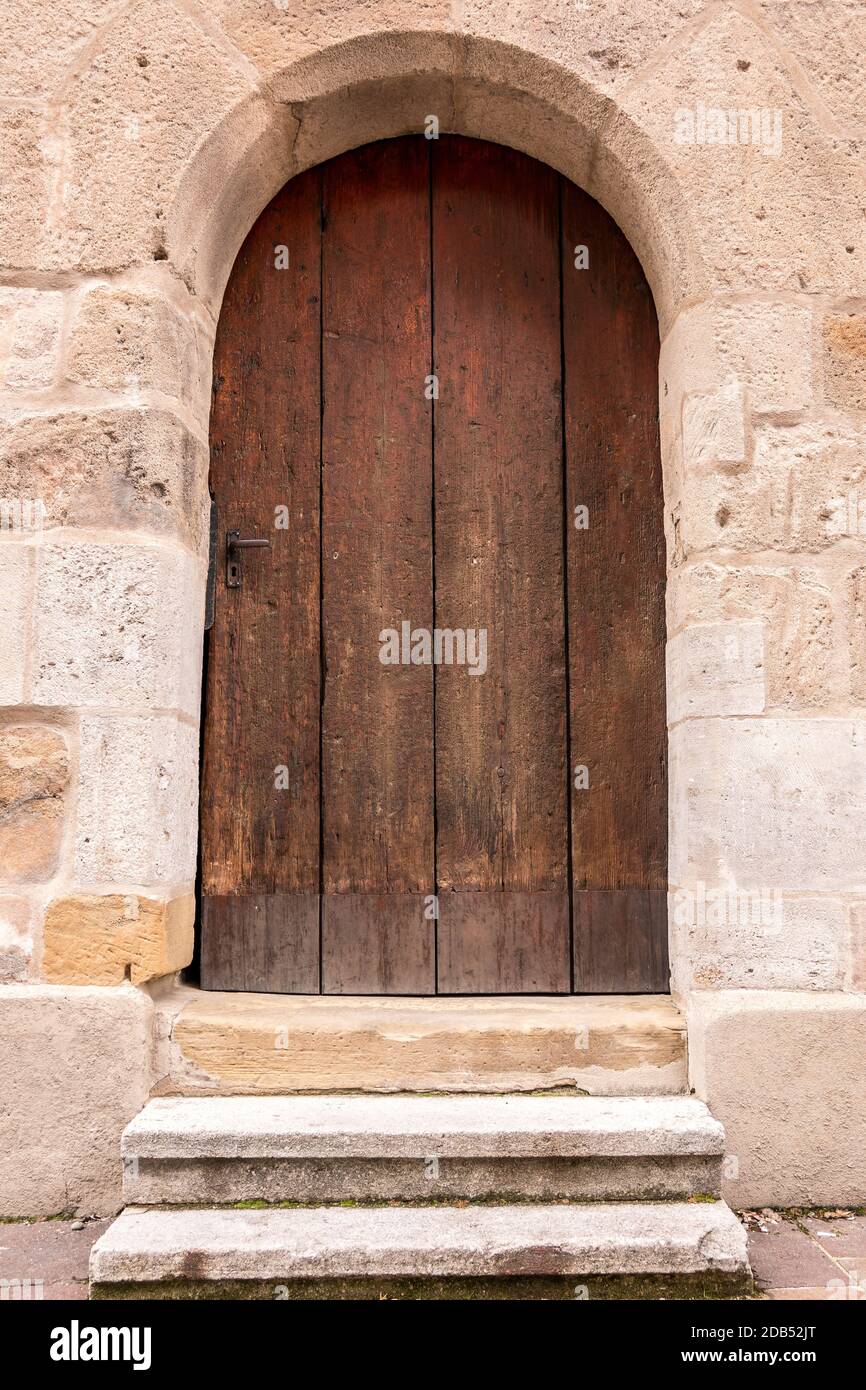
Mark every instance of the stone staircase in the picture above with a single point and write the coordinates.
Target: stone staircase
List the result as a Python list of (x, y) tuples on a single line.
[(422, 1196)]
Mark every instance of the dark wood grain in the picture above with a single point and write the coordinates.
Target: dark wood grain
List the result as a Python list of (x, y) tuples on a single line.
[(263, 686), (616, 578), (501, 776), (621, 940), (501, 942), (262, 941), (377, 720)]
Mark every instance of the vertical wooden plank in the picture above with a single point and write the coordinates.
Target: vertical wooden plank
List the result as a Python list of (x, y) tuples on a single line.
[(377, 729), (260, 830), (620, 940), (616, 578), (501, 776)]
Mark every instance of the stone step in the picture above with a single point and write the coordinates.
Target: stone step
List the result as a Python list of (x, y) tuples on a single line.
[(246, 1044), (595, 1250), (212, 1150)]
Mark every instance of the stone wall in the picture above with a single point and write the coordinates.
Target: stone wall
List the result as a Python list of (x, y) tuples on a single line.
[(138, 143)]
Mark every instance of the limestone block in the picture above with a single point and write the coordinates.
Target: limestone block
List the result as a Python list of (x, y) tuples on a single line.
[(768, 803), (236, 172), (281, 1044), (717, 668), (855, 614), (351, 1248), (150, 94), (16, 595), (132, 469), (729, 937), (123, 338), (783, 212), (793, 496), (357, 115), (820, 465), (782, 1070), (843, 360), (714, 427), (276, 36), (829, 40), (857, 962), (137, 801), (34, 776), (118, 625), (606, 42), (16, 938), (26, 175), (90, 940), (74, 1069), (766, 347), (41, 39), (806, 664), (29, 336)]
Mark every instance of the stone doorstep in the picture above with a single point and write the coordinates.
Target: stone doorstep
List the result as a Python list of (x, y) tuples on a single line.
[(315, 1181), (247, 1044), (500, 1126), (213, 1150), (336, 1243)]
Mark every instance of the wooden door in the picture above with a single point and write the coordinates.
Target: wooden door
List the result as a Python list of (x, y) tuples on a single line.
[(435, 396)]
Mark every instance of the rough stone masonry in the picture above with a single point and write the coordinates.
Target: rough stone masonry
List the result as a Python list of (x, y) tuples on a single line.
[(138, 143)]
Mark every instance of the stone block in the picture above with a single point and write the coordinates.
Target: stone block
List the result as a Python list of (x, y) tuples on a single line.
[(726, 937), (370, 110), (26, 177), (245, 1043), (714, 426), (118, 625), (124, 338), (778, 213), (74, 1069), (843, 360), (605, 42), (363, 1243), (827, 41), (41, 40), (29, 337), (765, 347), (855, 625), (16, 600), (89, 940), (716, 669), (34, 776), (137, 801), (138, 110), (857, 961), (804, 647), (769, 803), (132, 469), (782, 1070), (794, 496), (16, 938), (277, 38)]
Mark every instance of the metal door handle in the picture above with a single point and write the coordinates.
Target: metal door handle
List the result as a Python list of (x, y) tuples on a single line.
[(234, 543)]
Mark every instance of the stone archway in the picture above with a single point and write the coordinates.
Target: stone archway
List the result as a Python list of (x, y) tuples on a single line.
[(140, 153)]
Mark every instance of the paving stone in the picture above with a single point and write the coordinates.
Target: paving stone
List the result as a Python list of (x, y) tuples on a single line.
[(49, 1252), (839, 1236), (788, 1258)]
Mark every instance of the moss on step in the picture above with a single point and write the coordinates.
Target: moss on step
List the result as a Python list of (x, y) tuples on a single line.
[(539, 1288)]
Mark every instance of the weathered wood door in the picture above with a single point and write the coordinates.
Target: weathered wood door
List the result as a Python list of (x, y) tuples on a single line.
[(435, 396)]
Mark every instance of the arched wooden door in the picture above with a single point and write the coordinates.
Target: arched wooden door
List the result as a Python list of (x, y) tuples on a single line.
[(435, 395)]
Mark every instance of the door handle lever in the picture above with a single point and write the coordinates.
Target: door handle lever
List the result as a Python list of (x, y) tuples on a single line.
[(235, 543)]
